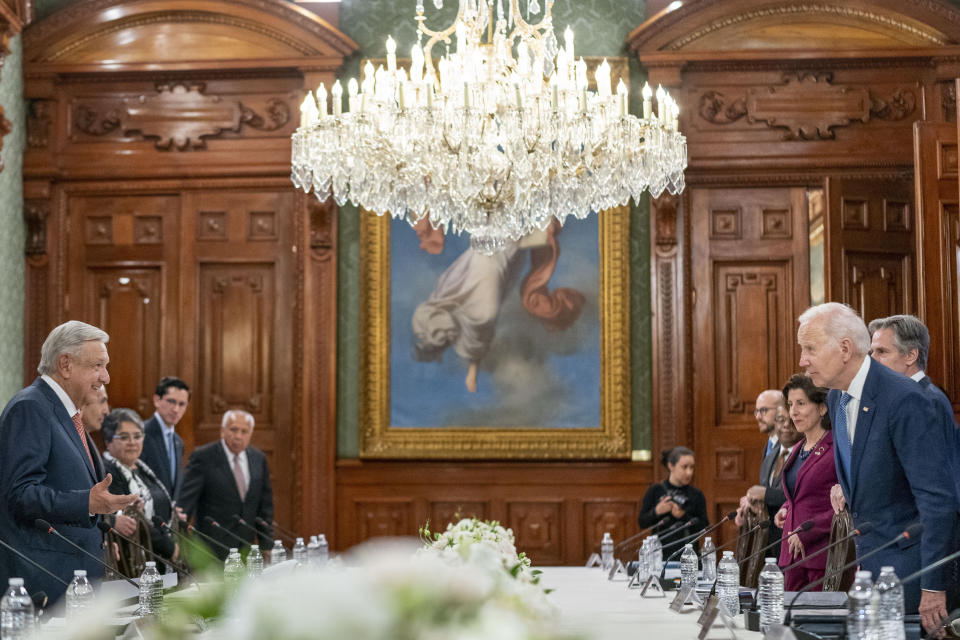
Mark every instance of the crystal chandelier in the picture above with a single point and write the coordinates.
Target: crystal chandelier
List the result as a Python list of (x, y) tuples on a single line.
[(495, 139)]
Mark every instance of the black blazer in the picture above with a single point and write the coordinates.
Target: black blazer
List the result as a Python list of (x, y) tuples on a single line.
[(774, 496), (210, 490), (161, 541), (155, 455)]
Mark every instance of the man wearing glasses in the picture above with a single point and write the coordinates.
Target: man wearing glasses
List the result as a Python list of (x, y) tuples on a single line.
[(766, 413), (162, 446)]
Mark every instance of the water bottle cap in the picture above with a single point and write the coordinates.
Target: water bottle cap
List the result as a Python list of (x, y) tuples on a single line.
[(689, 545), (15, 582), (299, 540), (313, 539), (706, 540), (80, 573), (769, 559), (151, 563), (321, 537), (865, 575), (728, 554), (887, 569), (234, 550), (254, 546)]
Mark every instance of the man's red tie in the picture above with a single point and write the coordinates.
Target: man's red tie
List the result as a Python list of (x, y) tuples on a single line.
[(83, 437)]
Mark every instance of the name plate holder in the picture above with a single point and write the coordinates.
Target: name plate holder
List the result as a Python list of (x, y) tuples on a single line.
[(652, 589), (684, 596), (709, 613), (718, 610), (616, 570), (593, 560)]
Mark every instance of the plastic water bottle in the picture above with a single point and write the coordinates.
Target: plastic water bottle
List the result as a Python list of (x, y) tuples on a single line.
[(79, 594), (709, 554), (770, 595), (300, 552), (728, 583), (279, 553), (861, 620), (254, 561), (889, 605), (643, 560), (688, 567), (151, 590), (312, 551), (233, 569), (16, 611), (656, 555), (323, 549), (606, 552)]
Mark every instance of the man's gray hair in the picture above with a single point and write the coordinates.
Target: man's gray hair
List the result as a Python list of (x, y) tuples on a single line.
[(67, 338), (908, 334), (840, 321), (239, 413)]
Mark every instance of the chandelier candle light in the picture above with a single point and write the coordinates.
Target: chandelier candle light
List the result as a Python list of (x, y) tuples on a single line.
[(495, 139)]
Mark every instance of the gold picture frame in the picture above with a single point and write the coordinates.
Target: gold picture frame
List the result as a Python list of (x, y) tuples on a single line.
[(611, 439)]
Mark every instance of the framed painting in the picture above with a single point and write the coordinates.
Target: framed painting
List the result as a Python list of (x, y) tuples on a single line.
[(524, 354)]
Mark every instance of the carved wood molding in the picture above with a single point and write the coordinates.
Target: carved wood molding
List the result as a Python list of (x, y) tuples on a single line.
[(35, 212), (807, 105), (179, 116)]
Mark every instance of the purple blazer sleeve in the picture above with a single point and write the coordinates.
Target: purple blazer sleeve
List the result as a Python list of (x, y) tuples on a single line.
[(810, 500)]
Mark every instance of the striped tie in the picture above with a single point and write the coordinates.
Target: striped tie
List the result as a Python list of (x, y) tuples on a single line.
[(842, 436), (83, 437)]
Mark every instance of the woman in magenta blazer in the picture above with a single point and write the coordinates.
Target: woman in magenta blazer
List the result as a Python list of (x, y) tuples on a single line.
[(807, 477)]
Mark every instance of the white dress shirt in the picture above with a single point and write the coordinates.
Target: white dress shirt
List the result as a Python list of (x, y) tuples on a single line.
[(244, 464), (855, 390)]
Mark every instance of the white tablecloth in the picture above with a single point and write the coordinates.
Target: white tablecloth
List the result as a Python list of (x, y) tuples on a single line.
[(606, 610)]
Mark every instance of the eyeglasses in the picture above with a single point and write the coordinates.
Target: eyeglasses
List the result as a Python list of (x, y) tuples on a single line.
[(761, 411), (127, 437), (781, 420)]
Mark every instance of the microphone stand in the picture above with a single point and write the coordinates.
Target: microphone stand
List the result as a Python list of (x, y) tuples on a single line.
[(36, 564), (243, 523), (290, 535), (43, 524), (283, 535), (635, 536), (158, 521), (690, 538), (206, 538), (214, 523), (915, 529), (106, 528)]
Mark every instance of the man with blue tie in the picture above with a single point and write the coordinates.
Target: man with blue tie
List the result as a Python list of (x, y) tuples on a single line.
[(47, 468), (162, 446), (889, 452), (765, 412)]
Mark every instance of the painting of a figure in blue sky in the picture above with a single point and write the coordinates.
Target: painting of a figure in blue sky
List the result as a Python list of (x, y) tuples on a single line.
[(508, 340)]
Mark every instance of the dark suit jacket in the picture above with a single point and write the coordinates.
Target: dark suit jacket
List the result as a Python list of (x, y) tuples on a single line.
[(810, 500), (951, 431), (898, 476), (773, 498), (45, 473), (155, 455), (210, 490)]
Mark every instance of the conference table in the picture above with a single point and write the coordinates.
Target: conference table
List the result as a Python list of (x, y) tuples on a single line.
[(604, 609)]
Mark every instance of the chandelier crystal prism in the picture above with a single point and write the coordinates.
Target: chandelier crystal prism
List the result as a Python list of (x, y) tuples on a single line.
[(495, 140)]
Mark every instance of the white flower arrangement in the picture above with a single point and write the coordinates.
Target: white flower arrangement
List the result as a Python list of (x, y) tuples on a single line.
[(459, 540)]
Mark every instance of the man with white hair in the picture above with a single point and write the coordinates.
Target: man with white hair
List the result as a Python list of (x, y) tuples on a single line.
[(227, 480), (889, 452), (47, 470)]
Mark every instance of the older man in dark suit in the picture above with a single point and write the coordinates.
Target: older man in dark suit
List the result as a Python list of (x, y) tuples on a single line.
[(162, 445), (226, 479), (889, 453), (47, 469)]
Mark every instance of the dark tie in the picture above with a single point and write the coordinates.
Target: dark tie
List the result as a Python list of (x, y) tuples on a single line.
[(172, 453), (238, 477), (841, 437)]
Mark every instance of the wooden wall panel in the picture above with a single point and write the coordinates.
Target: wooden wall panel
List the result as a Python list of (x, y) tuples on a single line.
[(938, 250)]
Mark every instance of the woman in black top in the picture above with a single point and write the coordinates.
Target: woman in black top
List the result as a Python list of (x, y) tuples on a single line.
[(675, 500)]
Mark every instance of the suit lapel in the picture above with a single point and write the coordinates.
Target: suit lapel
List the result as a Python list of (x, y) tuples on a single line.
[(865, 414), (814, 459), (66, 423), (254, 473)]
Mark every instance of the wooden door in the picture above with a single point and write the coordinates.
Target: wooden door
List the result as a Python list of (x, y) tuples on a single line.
[(750, 270), (870, 245), (938, 250)]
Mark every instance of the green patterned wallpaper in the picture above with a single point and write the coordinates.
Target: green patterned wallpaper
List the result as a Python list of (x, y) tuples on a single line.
[(12, 228), (601, 28)]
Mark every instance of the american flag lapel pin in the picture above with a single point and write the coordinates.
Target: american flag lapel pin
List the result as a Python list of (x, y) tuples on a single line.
[(865, 409)]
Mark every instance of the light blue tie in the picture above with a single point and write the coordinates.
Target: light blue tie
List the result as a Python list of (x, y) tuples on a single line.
[(841, 437), (172, 452)]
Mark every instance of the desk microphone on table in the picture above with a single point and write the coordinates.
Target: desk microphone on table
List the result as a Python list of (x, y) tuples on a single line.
[(243, 523), (266, 526), (158, 521), (695, 536), (622, 544), (206, 538), (213, 523), (37, 565), (106, 528), (913, 530), (43, 524)]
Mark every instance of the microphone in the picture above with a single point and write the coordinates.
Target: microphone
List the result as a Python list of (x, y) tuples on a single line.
[(106, 528), (206, 538), (914, 529), (702, 532), (760, 525), (37, 565), (243, 523), (635, 536), (675, 528), (217, 525), (43, 524), (865, 528), (290, 534), (265, 526), (804, 526), (930, 567), (158, 522)]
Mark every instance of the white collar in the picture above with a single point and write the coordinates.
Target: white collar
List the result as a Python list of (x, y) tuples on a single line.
[(855, 389), (64, 398), (918, 376), (242, 456)]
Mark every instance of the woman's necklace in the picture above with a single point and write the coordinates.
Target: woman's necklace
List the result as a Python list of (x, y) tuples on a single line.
[(805, 453)]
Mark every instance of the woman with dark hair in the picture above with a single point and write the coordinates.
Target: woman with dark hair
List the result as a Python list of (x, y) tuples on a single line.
[(807, 477), (675, 499), (122, 433)]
